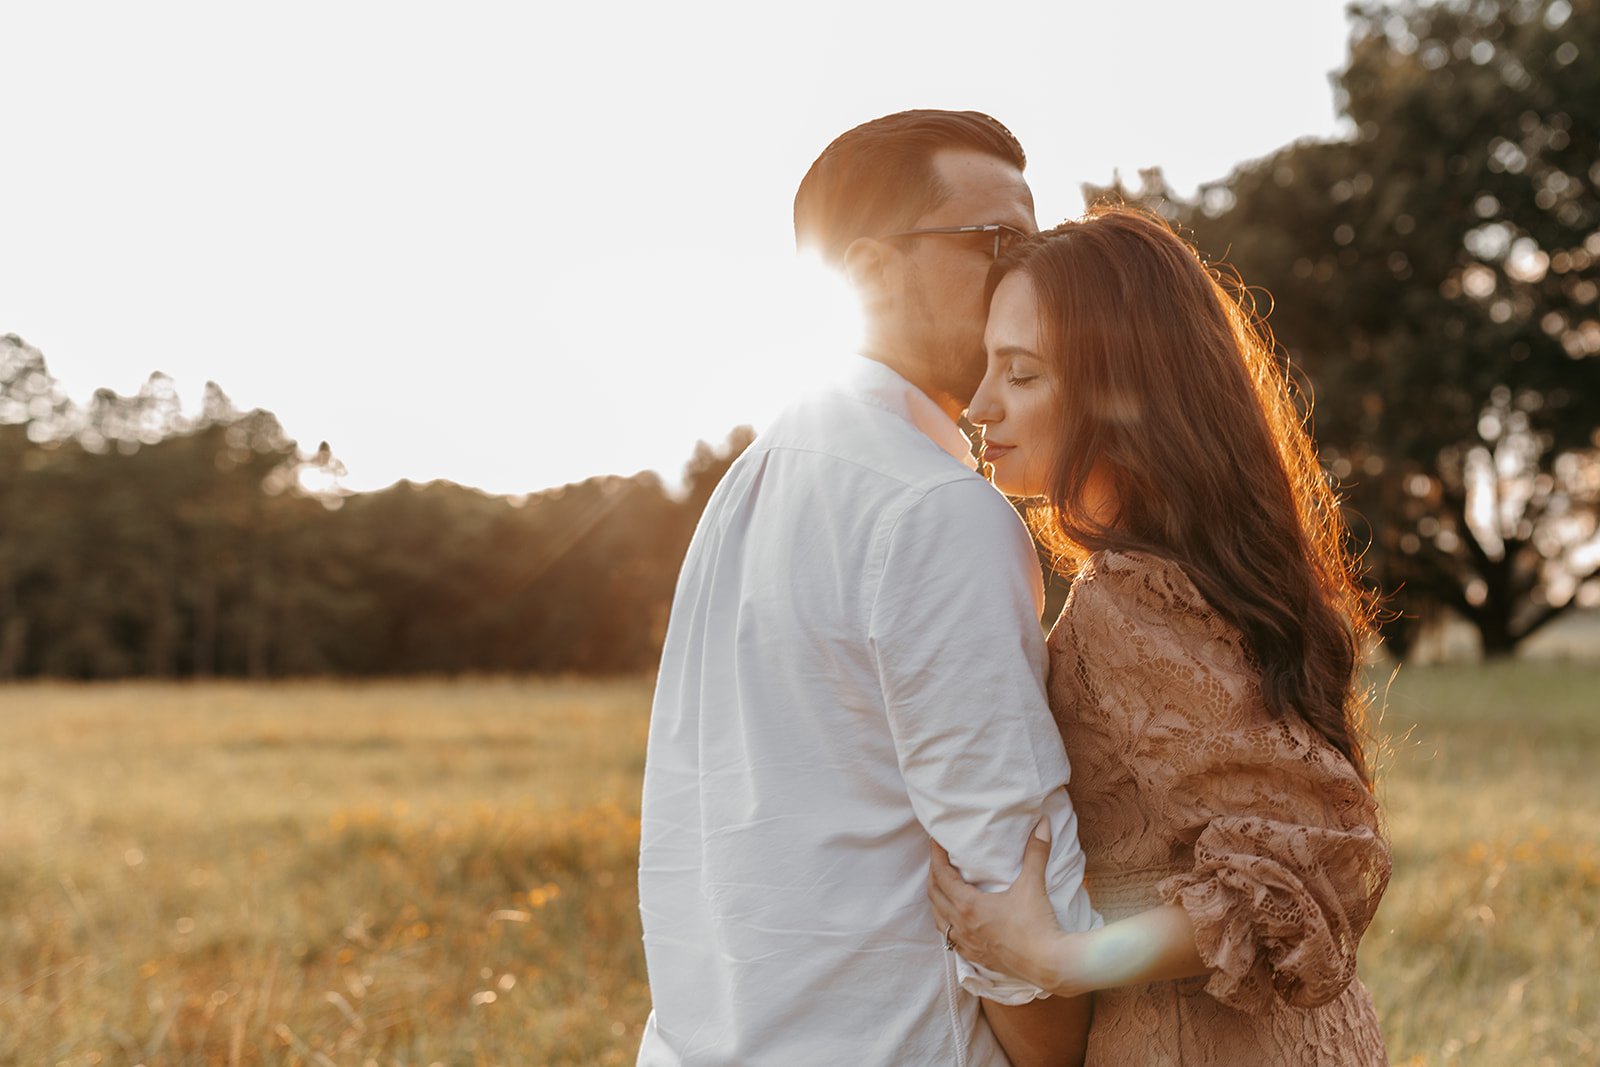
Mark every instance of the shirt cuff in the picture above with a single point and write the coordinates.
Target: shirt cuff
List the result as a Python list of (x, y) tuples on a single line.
[(992, 985)]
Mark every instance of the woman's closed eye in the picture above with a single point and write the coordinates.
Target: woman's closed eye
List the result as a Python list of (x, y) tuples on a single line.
[(1014, 378)]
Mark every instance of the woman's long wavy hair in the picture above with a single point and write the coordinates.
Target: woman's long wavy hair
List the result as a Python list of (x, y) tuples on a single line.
[(1171, 392)]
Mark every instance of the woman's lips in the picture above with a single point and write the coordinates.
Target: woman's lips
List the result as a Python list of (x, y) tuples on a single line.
[(992, 451)]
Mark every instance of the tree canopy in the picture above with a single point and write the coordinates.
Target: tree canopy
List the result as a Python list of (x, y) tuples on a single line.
[(1433, 278)]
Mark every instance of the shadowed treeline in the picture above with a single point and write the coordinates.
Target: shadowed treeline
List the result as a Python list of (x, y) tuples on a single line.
[(1434, 281), (137, 542)]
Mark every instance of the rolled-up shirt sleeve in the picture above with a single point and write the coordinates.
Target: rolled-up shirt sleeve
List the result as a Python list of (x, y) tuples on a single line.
[(955, 635)]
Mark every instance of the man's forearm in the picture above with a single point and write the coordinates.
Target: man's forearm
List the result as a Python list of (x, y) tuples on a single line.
[(1049, 1032)]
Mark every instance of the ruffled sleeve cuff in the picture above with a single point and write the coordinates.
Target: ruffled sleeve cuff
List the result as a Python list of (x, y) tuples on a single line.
[(1279, 909)]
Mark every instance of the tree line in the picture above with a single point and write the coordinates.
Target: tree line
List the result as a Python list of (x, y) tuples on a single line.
[(137, 542), (1433, 281)]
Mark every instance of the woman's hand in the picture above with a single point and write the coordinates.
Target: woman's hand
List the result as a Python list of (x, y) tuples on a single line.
[(1014, 932)]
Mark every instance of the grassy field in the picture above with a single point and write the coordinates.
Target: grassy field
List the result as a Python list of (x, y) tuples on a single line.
[(420, 873)]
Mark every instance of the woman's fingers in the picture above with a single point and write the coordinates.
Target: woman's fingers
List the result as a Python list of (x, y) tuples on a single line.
[(1036, 856), (992, 929), (942, 872), (943, 876), (939, 872)]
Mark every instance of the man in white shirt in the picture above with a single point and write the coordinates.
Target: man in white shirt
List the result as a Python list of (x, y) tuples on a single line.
[(854, 664)]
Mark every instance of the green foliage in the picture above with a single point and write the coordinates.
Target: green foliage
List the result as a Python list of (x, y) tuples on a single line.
[(1435, 278), (137, 542)]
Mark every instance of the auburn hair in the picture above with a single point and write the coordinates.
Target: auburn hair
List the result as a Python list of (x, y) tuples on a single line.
[(1171, 391)]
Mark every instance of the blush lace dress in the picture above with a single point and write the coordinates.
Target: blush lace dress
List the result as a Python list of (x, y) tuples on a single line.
[(1188, 792)]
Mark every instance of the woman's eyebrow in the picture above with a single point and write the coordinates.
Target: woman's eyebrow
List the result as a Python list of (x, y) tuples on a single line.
[(1015, 350)]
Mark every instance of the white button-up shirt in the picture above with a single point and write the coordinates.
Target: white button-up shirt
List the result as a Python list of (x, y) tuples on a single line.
[(853, 663)]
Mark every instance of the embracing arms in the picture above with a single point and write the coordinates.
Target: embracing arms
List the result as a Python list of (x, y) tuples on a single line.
[(1016, 933), (961, 660), (1288, 862)]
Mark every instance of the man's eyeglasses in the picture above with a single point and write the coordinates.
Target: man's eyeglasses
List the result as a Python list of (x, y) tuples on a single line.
[(1004, 236)]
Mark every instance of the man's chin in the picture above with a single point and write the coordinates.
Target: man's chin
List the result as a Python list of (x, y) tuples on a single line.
[(957, 378), (963, 390), (947, 378)]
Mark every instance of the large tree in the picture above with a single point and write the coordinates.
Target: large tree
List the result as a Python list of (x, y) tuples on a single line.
[(1434, 276)]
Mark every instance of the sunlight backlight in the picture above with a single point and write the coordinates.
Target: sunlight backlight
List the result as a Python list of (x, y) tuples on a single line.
[(424, 271), (822, 330)]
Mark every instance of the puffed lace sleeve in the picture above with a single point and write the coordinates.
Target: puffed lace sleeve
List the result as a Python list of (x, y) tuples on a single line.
[(1288, 861)]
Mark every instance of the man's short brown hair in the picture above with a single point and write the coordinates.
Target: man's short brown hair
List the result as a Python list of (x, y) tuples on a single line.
[(879, 177)]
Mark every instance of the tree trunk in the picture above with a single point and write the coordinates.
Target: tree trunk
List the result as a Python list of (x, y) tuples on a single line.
[(1494, 634), (1400, 635), (13, 644), (205, 627), (162, 638), (1493, 617)]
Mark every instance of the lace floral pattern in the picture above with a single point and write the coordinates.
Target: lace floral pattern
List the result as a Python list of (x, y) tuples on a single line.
[(1189, 792)]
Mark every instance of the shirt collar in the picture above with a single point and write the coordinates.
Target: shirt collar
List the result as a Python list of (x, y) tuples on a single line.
[(883, 387)]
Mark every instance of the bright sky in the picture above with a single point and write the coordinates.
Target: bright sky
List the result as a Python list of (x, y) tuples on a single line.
[(516, 245)]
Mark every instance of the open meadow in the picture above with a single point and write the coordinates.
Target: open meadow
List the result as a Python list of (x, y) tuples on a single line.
[(409, 873)]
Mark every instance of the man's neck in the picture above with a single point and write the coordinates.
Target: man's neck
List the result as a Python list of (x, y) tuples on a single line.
[(914, 374)]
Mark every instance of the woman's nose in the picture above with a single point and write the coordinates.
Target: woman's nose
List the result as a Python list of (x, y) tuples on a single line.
[(982, 410)]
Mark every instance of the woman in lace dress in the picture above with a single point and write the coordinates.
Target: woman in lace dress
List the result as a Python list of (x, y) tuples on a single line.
[(1203, 671)]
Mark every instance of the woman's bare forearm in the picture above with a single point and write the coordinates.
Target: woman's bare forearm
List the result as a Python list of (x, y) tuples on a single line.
[(1154, 946)]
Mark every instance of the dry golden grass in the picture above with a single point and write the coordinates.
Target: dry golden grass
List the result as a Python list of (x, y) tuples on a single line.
[(417, 873), (324, 874), (1484, 949)]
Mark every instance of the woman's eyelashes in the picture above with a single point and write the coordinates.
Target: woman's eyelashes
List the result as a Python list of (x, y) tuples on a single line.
[(1022, 371)]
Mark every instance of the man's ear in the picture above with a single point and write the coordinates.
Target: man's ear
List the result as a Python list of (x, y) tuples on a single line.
[(866, 264)]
